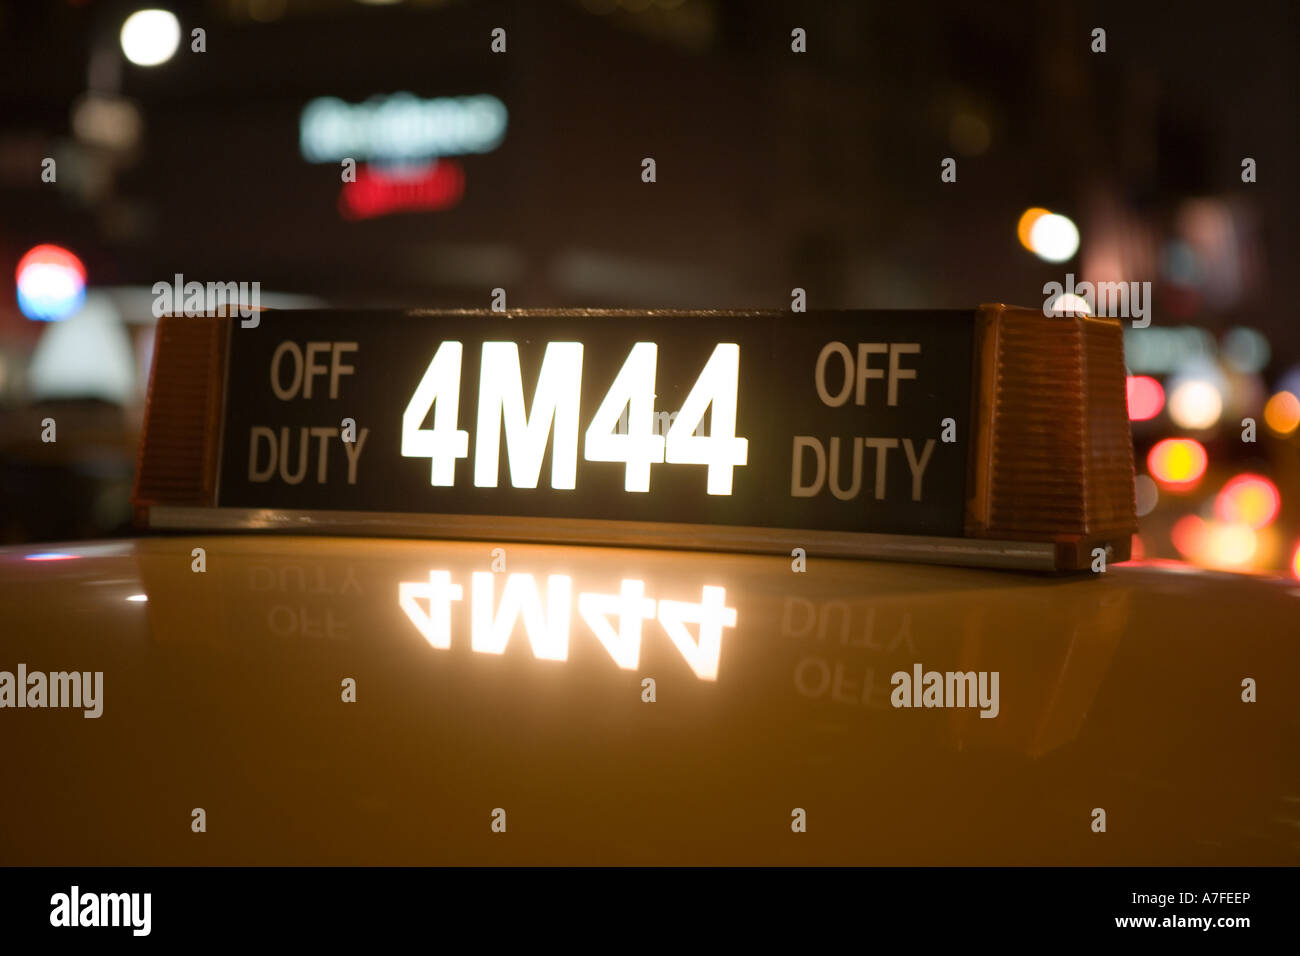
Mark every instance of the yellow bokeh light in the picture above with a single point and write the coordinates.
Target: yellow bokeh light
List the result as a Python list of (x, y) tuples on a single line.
[(1282, 413), (1228, 545), (1027, 220), (1177, 463), (1251, 500)]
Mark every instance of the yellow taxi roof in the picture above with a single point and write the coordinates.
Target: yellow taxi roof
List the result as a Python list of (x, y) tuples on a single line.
[(224, 688)]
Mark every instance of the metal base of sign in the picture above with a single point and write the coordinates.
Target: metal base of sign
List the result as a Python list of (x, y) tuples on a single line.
[(964, 552)]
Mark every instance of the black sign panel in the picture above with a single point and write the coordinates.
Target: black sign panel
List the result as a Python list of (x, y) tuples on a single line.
[(831, 421)]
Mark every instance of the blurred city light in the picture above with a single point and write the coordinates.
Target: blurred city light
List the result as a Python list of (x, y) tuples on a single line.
[(1248, 499), (381, 191), (1215, 250), (1245, 349), (1214, 544), (1188, 536), (1026, 223), (1158, 350), (1178, 263), (109, 121), (1146, 398), (1282, 413), (1228, 545), (1195, 403), (1177, 463), (400, 127), (1054, 237), (1070, 304), (1243, 394), (87, 356), (969, 133), (1290, 381), (51, 283), (1147, 495), (150, 37), (1295, 561)]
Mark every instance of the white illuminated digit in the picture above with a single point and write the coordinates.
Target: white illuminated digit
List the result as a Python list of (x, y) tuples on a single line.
[(501, 396), (632, 607), (444, 443), (721, 450), (633, 388), (712, 615), (439, 592)]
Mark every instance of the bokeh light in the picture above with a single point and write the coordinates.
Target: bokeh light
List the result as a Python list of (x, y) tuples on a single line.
[(51, 283), (1027, 220), (1248, 499), (1224, 545), (969, 133), (1146, 398), (1243, 394), (1070, 304), (1228, 545), (1147, 494), (150, 37), (1188, 536), (1195, 403), (1054, 237), (1178, 263), (1177, 463), (1282, 413), (1290, 381), (1245, 349)]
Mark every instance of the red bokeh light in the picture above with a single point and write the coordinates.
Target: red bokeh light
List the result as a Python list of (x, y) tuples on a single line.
[(1146, 398)]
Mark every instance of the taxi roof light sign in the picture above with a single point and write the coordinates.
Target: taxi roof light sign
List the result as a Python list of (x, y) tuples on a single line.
[(995, 437)]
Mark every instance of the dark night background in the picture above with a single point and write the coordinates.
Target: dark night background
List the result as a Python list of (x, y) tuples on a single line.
[(774, 170)]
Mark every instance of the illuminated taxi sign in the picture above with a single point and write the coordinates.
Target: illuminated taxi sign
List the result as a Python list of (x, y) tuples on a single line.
[(994, 437)]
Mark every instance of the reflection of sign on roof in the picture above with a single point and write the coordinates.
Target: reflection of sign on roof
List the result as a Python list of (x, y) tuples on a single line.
[(400, 126)]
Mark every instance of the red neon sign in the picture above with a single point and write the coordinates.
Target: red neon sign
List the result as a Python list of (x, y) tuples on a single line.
[(380, 192)]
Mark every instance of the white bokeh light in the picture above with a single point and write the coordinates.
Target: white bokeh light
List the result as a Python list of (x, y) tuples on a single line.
[(1054, 237), (1070, 304), (1195, 403), (1147, 495), (150, 37)]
